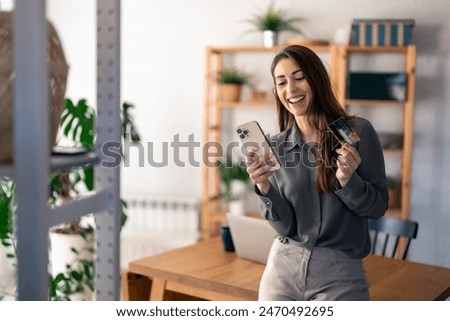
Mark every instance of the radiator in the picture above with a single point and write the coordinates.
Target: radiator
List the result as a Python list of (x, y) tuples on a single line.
[(158, 224)]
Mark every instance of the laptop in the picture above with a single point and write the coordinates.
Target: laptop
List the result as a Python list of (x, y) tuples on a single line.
[(252, 237)]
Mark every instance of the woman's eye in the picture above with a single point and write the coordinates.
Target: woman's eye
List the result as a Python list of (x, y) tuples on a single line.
[(300, 78), (281, 83)]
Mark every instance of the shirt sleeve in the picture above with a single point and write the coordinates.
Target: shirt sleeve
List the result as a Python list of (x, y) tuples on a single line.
[(276, 211), (366, 193)]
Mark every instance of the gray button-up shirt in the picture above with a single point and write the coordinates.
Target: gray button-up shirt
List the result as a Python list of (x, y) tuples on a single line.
[(295, 208)]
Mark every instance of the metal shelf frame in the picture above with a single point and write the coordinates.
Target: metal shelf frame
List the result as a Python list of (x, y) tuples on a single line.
[(32, 163)]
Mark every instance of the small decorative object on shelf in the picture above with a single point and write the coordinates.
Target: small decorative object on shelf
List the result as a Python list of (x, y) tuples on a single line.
[(306, 42), (393, 189), (235, 182), (232, 81), (271, 22), (381, 32)]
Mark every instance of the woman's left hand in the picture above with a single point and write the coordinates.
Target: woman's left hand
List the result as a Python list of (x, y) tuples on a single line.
[(347, 162)]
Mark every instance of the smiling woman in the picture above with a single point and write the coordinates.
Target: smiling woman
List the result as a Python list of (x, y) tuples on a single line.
[(319, 208)]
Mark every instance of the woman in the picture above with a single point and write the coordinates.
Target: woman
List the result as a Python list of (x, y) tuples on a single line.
[(321, 198)]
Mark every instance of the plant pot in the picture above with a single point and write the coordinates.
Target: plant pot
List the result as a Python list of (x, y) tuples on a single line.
[(238, 188), (61, 255), (236, 207), (231, 92), (270, 38), (7, 275)]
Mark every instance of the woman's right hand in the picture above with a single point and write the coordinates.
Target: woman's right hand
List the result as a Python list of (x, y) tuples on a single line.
[(259, 169)]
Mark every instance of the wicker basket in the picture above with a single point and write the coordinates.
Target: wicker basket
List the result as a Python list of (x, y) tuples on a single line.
[(58, 70)]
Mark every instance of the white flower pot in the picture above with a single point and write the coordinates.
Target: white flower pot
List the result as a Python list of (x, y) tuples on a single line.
[(238, 188), (236, 207), (61, 255), (270, 38), (7, 274)]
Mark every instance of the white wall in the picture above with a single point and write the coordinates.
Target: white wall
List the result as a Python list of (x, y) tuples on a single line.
[(163, 65)]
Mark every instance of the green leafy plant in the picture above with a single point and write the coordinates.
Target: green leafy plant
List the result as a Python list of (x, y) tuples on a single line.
[(79, 273), (128, 127), (275, 20), (78, 125), (232, 76), (391, 182), (7, 225), (7, 217), (230, 171)]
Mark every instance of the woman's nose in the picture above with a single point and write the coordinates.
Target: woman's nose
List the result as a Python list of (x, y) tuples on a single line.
[(291, 86)]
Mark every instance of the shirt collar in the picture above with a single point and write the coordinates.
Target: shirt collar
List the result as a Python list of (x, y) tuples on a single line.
[(293, 138)]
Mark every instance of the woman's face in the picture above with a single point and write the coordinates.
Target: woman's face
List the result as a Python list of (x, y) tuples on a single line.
[(292, 88)]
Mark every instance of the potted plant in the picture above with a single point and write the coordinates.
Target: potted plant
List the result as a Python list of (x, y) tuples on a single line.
[(72, 279), (232, 81), (393, 192), (235, 182), (7, 232), (271, 22)]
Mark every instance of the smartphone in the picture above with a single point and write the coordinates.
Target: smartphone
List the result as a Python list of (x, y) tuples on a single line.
[(343, 131), (251, 135)]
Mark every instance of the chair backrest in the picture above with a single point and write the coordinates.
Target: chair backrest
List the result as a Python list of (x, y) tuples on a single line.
[(392, 228)]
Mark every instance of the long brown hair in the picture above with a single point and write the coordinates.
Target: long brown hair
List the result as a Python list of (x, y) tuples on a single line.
[(324, 108)]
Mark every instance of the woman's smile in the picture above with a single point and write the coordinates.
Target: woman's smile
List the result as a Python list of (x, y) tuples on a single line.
[(296, 99)]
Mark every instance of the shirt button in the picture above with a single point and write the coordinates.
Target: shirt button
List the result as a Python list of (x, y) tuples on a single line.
[(267, 203)]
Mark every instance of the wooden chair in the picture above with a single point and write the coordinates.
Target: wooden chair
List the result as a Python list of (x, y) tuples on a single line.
[(392, 228)]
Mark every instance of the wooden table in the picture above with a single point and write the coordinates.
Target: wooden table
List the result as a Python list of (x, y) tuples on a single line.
[(206, 271)]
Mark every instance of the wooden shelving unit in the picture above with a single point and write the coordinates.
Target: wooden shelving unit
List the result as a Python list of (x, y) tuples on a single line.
[(212, 213), (407, 106)]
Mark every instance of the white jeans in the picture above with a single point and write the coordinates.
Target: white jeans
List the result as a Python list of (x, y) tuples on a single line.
[(295, 274)]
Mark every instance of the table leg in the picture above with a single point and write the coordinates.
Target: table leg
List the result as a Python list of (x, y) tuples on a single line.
[(124, 284), (157, 290)]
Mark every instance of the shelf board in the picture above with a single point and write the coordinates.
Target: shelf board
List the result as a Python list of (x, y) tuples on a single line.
[(248, 104), (394, 212), (391, 151), (65, 162), (76, 208), (58, 163), (377, 49), (214, 127), (214, 197), (231, 49), (372, 102)]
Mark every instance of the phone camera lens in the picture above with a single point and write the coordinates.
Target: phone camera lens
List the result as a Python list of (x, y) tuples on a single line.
[(239, 131), (245, 132), (242, 136)]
